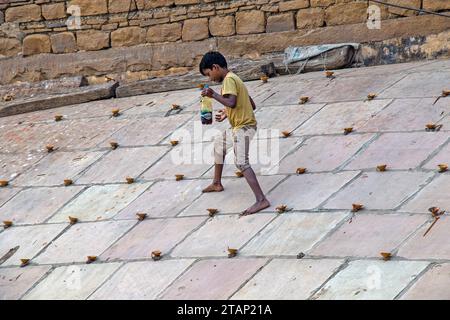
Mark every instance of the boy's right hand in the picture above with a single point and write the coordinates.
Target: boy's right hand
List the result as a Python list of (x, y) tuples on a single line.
[(221, 115)]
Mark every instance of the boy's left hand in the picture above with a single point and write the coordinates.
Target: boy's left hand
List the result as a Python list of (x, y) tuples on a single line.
[(208, 92)]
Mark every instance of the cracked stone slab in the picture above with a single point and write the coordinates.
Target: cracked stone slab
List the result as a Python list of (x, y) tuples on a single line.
[(371, 280), (236, 189), (191, 160), (215, 279), (219, 233), (407, 115), (297, 281), (433, 285), (74, 282), (115, 166), (307, 191), (379, 190), (82, 240), (151, 235), (141, 280), (164, 199), (35, 205), (15, 282), (30, 239), (100, 202), (333, 118), (433, 195), (369, 234), (399, 150), (292, 233), (324, 153), (432, 246), (419, 84), (54, 168)]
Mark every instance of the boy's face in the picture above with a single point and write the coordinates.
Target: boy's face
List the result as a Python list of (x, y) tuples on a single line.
[(214, 74)]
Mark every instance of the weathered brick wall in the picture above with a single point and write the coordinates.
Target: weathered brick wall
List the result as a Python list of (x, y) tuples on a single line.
[(29, 27)]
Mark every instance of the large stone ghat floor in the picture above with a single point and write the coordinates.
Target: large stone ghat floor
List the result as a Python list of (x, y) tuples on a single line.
[(318, 249)]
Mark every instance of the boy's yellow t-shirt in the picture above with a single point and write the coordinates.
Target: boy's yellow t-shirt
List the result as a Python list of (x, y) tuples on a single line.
[(242, 114)]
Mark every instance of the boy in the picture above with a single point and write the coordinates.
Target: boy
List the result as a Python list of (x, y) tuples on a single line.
[(238, 109)]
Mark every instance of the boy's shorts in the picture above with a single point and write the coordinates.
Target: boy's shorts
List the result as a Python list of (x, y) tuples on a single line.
[(240, 141)]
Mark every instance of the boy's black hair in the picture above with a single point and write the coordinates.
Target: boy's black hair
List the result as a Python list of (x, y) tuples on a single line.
[(210, 58)]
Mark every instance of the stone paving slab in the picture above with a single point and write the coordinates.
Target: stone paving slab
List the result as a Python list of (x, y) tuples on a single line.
[(445, 123), (74, 282), (141, 280), (333, 118), (149, 131), (33, 206), (402, 115), (369, 234), (15, 282), (293, 233), (433, 285), (431, 246), (236, 189), (433, 195), (443, 156), (212, 279), (11, 165), (308, 191), (399, 150), (65, 134), (83, 240), (232, 231), (379, 190), (371, 280), (295, 279), (322, 89), (115, 166), (349, 88), (419, 84), (275, 118), (100, 108), (7, 193), (100, 202), (151, 235), (264, 156), (164, 199), (56, 167), (324, 153), (191, 160), (30, 240), (194, 132)]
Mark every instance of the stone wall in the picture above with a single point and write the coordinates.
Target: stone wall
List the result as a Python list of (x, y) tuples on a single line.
[(32, 27)]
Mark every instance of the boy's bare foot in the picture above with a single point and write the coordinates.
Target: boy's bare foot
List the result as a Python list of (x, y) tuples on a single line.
[(258, 206), (213, 188)]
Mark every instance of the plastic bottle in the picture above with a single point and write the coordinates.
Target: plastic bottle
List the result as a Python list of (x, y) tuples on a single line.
[(206, 109)]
